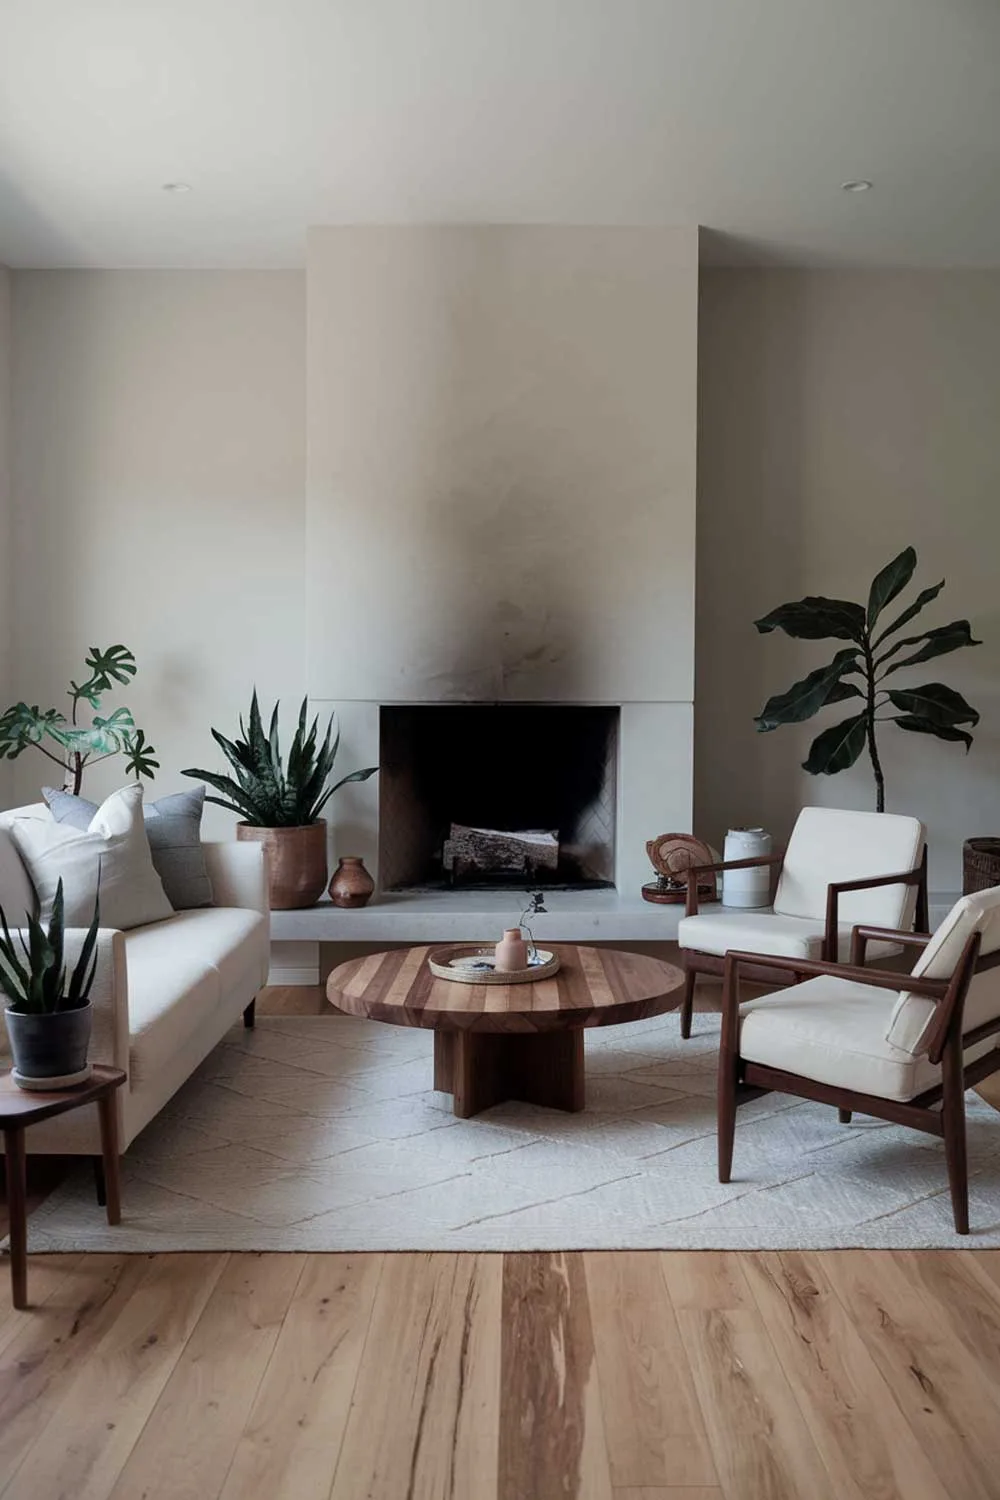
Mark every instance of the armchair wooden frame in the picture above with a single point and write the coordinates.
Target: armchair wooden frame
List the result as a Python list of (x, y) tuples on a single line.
[(740, 1081), (767, 969)]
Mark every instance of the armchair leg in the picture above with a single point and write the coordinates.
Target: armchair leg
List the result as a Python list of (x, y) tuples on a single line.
[(250, 1014), (844, 1116), (953, 1114), (727, 1116), (687, 1004)]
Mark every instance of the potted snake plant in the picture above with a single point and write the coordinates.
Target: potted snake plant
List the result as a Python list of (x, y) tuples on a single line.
[(48, 1017), (280, 803)]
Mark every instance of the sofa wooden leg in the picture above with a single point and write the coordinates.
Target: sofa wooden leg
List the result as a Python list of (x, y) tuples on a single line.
[(250, 1014), (845, 1116), (687, 1004), (953, 1118)]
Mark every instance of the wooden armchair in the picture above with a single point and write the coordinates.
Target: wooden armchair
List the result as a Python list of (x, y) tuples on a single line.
[(866, 1040), (841, 868)]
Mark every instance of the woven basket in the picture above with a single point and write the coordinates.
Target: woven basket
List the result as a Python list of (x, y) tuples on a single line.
[(980, 865)]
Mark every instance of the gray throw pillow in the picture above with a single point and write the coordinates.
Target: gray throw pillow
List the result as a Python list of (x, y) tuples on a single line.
[(173, 826)]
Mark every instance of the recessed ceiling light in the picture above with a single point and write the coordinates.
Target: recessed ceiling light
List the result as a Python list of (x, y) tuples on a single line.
[(176, 187), (856, 185)]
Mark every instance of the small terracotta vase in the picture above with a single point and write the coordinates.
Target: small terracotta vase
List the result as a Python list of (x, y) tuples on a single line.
[(511, 952), (351, 884), (296, 862)]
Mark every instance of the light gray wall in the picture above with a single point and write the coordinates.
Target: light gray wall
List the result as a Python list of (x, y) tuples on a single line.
[(843, 416), (6, 561), (159, 498)]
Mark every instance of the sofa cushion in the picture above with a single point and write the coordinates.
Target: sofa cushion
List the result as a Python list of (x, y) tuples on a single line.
[(722, 928), (834, 1031), (173, 826), (911, 1021), (830, 844), (179, 969), (114, 850), (17, 894)]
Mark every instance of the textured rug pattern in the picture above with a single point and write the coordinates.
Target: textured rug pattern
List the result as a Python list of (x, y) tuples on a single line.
[(324, 1134)]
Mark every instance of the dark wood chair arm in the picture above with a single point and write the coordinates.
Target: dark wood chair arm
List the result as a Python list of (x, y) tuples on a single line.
[(917, 876), (693, 871), (862, 936), (812, 968)]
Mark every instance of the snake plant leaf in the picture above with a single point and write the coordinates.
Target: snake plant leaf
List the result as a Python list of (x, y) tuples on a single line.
[(82, 979), (935, 702), (233, 797), (923, 598), (805, 698), (140, 755), (113, 664), (260, 754), (354, 776), (937, 642), (837, 748), (889, 582), (917, 725), (56, 929), (816, 618)]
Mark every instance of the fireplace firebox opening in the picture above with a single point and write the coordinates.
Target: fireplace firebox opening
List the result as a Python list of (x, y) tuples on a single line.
[(497, 795)]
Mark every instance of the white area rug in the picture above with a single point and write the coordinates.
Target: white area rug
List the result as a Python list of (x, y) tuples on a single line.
[(324, 1134)]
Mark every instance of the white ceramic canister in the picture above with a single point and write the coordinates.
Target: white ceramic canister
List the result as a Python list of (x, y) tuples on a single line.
[(747, 888)]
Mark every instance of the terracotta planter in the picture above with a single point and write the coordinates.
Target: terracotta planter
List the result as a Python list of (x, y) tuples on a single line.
[(296, 862), (351, 884)]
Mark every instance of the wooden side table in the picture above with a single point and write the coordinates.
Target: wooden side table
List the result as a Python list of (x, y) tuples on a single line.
[(18, 1110)]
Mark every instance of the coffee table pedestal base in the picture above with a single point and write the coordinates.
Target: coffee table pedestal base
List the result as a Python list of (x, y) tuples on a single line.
[(481, 1068)]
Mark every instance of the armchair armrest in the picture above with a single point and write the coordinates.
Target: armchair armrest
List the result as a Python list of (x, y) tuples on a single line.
[(917, 876), (934, 989), (108, 997), (693, 871), (238, 873), (862, 936)]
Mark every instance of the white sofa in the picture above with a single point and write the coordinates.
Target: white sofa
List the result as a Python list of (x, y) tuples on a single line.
[(164, 995)]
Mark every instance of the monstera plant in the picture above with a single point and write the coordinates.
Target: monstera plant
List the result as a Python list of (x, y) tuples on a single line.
[(76, 745), (864, 670)]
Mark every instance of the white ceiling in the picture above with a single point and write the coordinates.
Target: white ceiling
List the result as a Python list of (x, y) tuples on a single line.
[(741, 115)]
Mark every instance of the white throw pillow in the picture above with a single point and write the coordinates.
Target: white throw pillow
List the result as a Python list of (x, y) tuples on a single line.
[(114, 849)]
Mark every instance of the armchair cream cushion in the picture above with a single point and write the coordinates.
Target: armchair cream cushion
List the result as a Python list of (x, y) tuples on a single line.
[(830, 844), (911, 1021)]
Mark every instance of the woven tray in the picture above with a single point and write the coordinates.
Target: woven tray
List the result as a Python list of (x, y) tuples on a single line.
[(459, 963)]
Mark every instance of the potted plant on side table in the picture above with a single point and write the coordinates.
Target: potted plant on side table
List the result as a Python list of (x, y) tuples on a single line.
[(48, 1020), (280, 805)]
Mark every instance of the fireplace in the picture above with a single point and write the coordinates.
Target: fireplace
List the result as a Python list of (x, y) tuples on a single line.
[(497, 795)]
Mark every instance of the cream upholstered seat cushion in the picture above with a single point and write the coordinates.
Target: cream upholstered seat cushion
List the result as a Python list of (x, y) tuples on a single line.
[(912, 1016), (720, 929), (834, 1031), (177, 972), (829, 845)]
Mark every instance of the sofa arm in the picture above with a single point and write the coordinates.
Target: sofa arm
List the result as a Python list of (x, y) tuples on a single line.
[(238, 873), (108, 998)]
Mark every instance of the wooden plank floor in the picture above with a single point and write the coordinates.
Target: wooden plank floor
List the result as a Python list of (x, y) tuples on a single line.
[(841, 1375)]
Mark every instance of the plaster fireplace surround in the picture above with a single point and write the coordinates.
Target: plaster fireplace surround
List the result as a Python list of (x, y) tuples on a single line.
[(501, 434)]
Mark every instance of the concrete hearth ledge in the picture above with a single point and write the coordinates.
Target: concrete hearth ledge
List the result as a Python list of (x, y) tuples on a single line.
[(467, 916)]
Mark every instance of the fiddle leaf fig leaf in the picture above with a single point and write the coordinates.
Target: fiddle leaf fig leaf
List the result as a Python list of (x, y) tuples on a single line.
[(805, 698), (924, 597), (937, 642), (934, 702), (836, 748), (891, 581), (816, 619), (917, 725)]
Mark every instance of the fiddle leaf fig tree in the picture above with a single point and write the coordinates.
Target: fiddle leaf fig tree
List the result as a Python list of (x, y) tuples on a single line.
[(73, 745), (861, 670)]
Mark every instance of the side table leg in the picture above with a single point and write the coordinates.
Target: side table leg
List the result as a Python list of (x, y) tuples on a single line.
[(13, 1140), (112, 1162)]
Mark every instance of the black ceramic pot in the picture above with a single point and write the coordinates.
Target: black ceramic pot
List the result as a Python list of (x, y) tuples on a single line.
[(49, 1046)]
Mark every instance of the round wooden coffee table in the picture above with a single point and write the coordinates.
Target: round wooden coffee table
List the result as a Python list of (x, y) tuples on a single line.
[(509, 1041)]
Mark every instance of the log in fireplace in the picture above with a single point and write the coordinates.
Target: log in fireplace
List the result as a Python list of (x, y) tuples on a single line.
[(496, 795)]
